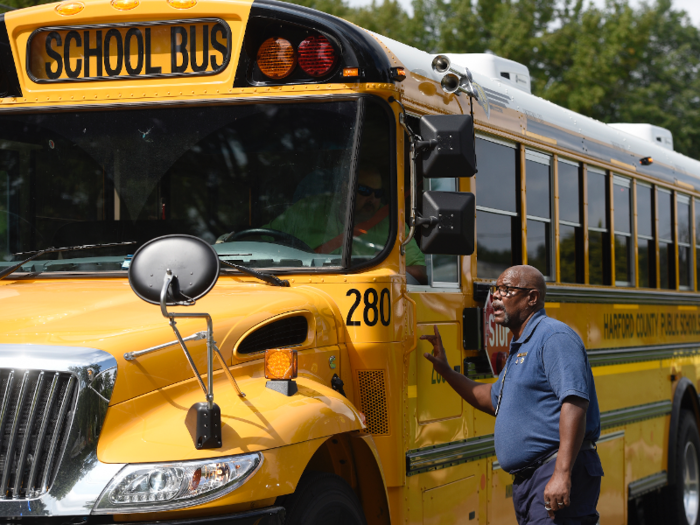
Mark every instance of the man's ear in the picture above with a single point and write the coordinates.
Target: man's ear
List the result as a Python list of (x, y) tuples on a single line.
[(536, 298)]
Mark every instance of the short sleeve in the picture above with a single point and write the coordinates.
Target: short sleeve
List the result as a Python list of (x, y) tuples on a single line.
[(414, 257), (566, 366)]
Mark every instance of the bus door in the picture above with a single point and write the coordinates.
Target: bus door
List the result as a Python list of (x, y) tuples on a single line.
[(440, 415)]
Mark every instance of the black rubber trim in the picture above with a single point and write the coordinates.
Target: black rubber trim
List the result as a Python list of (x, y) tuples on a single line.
[(633, 354), (9, 81), (357, 47), (266, 516), (595, 295)]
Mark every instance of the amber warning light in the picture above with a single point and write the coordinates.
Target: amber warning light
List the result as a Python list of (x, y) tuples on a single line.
[(277, 57), (281, 366)]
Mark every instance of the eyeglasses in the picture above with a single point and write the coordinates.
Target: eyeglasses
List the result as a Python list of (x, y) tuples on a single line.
[(366, 191), (507, 291)]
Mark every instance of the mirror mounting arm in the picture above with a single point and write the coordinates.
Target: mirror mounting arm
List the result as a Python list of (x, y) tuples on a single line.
[(211, 344)]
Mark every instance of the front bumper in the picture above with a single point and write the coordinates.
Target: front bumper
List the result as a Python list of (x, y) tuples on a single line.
[(266, 516)]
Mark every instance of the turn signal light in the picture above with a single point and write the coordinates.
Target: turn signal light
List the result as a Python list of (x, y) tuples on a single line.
[(182, 4), (125, 5), (281, 364), (276, 58), (70, 8), (317, 56)]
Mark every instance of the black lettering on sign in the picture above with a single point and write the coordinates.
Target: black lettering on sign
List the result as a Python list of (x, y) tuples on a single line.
[(115, 35), (371, 300), (374, 309), (72, 36), (178, 49), (150, 70), (54, 37), (385, 293), (205, 48), (130, 35), (218, 29), (358, 298), (93, 52)]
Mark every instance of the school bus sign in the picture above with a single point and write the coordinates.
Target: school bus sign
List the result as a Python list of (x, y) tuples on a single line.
[(123, 51)]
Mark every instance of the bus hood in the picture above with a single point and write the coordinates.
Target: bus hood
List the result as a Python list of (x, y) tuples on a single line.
[(105, 314)]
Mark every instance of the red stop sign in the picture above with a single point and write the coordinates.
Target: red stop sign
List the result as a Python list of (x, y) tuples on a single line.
[(496, 338)]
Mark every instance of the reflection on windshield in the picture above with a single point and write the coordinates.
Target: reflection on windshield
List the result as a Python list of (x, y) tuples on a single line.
[(267, 184)]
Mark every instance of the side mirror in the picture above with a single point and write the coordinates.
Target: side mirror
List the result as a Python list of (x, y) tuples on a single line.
[(447, 147), (448, 223), (178, 270)]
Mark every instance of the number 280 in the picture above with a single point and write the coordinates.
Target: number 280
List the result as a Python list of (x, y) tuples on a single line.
[(377, 307)]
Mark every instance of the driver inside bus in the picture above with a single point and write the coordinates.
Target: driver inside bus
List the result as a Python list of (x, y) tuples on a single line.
[(316, 221)]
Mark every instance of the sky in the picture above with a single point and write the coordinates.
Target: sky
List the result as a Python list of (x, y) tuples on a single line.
[(692, 7)]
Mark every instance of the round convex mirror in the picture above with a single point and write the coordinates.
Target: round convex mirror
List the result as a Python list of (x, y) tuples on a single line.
[(193, 262)]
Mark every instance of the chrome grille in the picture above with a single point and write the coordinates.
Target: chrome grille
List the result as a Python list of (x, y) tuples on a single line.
[(35, 412)]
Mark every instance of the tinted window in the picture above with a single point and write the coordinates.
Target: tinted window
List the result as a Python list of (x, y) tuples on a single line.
[(538, 181), (538, 246), (665, 216), (622, 209), (569, 202), (683, 222), (570, 256), (496, 182), (645, 217), (597, 202), (493, 238)]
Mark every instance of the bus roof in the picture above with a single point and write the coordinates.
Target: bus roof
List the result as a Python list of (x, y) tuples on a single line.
[(559, 126)]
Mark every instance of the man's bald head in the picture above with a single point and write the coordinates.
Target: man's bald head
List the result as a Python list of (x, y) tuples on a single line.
[(528, 277)]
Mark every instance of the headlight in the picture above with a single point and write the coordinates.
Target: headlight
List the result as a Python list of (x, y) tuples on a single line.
[(166, 486)]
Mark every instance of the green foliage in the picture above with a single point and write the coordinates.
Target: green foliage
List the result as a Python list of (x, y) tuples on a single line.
[(615, 64)]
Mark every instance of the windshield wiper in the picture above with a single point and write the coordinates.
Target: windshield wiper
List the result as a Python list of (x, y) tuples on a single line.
[(39, 253), (269, 279)]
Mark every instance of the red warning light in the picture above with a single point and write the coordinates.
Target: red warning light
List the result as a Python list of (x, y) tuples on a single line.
[(317, 56)]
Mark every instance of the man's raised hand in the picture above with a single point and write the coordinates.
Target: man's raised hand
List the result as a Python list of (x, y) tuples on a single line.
[(438, 357)]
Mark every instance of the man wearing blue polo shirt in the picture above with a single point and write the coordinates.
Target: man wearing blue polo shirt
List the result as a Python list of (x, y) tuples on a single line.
[(547, 416)]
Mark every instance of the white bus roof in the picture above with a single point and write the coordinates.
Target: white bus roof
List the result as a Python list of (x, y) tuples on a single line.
[(622, 144)]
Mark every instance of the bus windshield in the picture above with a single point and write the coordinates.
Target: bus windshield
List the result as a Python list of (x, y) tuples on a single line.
[(266, 184)]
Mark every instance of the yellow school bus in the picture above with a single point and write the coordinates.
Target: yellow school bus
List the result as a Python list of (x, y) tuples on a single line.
[(330, 172)]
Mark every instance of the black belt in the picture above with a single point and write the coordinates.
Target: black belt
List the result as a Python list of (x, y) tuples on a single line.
[(527, 472)]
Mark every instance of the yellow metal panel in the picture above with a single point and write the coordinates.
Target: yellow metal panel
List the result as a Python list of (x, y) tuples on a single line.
[(646, 448), (501, 501), (151, 428), (611, 504), (453, 503), (436, 399)]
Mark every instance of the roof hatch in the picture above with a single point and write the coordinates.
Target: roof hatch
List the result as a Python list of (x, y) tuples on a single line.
[(659, 136), (503, 70)]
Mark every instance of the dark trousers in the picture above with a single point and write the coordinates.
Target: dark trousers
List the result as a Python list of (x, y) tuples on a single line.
[(528, 493)]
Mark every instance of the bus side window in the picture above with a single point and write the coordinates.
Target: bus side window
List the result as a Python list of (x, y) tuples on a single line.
[(570, 222), (685, 280), (498, 226), (667, 263), (645, 236), (598, 231), (443, 270), (624, 249), (539, 212)]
